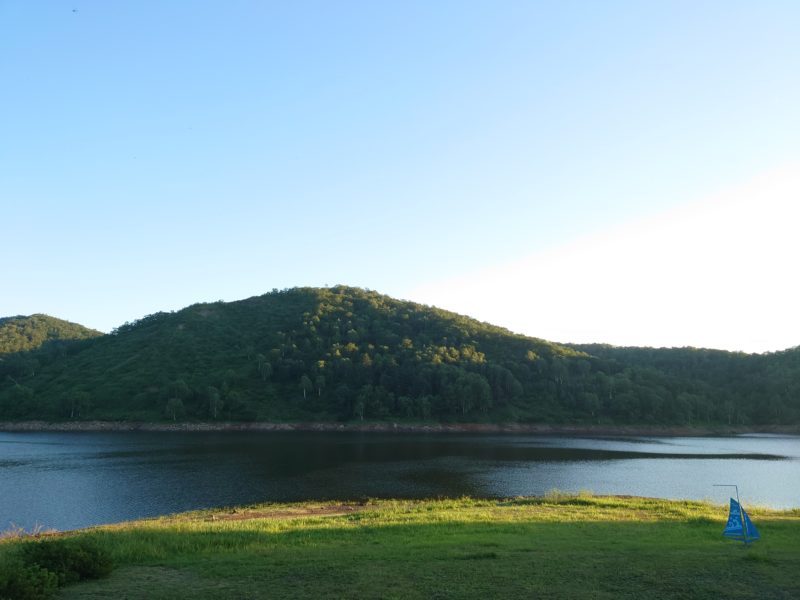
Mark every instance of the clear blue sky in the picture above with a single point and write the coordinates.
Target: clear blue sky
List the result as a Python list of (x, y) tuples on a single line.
[(157, 154)]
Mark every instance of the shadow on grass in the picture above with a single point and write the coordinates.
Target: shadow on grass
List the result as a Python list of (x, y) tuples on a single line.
[(446, 559)]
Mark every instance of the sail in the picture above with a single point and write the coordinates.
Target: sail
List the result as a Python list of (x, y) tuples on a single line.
[(734, 527)]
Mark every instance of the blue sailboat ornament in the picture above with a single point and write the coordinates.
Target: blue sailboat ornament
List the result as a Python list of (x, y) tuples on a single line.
[(739, 526)]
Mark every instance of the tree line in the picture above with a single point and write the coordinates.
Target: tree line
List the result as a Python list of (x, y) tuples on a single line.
[(352, 354)]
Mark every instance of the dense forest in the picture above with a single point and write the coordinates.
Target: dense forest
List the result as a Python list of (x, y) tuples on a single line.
[(18, 334), (351, 354)]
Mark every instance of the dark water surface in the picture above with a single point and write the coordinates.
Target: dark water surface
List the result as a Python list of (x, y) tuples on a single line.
[(72, 480)]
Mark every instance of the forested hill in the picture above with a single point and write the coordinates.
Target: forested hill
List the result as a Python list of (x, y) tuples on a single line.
[(350, 354), (18, 334)]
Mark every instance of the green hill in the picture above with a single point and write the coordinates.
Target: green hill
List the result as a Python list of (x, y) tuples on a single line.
[(351, 354), (18, 334)]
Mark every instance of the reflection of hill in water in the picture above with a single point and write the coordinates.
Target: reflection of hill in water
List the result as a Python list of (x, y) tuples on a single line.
[(292, 454), (107, 477)]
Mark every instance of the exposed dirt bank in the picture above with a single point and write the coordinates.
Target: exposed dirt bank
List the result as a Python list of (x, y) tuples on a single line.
[(333, 510), (601, 430)]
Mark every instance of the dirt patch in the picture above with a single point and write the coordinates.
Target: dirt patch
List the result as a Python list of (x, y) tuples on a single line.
[(333, 510)]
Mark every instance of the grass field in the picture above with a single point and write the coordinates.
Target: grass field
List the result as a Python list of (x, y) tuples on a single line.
[(558, 546)]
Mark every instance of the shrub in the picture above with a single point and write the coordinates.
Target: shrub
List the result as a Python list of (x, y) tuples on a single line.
[(19, 581), (70, 560)]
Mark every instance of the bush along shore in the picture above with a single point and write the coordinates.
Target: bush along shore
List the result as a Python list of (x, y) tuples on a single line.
[(397, 427), (557, 546)]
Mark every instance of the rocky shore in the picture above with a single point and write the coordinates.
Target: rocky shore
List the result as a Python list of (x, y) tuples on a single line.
[(389, 427)]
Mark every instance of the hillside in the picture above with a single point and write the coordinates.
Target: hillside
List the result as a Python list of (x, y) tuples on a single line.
[(350, 354), (18, 334)]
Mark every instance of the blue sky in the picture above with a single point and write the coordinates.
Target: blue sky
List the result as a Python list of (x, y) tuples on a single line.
[(157, 154)]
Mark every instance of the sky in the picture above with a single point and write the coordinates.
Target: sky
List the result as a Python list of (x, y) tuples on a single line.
[(616, 172)]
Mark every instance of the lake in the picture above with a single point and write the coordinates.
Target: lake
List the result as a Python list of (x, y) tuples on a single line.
[(72, 480)]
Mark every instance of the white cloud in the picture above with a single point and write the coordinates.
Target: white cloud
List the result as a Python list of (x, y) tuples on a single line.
[(717, 273)]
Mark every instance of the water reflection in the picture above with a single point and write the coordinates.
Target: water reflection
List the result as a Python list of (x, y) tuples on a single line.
[(70, 480)]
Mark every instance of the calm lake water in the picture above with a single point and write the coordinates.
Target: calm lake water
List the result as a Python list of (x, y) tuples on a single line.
[(72, 480)]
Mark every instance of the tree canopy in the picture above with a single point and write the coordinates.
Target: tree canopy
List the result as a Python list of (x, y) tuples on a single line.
[(18, 334), (351, 354)]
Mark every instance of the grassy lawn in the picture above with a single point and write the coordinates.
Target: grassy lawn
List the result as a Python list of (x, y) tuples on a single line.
[(552, 547)]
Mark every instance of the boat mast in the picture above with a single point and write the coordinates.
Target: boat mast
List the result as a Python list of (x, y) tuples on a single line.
[(741, 516), (741, 510)]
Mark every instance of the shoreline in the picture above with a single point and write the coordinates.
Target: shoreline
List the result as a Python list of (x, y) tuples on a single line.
[(521, 547), (391, 427)]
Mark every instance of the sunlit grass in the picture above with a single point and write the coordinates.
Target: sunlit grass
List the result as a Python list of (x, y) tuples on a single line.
[(556, 546)]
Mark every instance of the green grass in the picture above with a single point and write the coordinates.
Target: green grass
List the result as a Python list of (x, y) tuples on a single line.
[(558, 546)]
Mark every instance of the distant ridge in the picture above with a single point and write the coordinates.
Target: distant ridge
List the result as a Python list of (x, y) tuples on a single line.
[(348, 354), (21, 333)]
